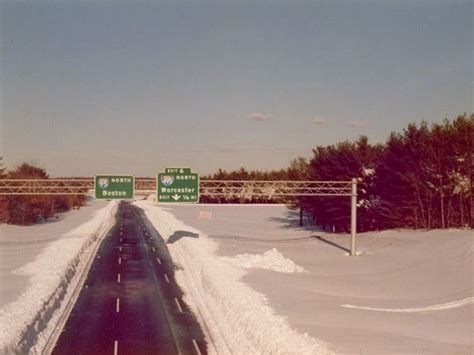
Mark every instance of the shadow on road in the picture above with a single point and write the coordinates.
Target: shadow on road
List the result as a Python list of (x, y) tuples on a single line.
[(292, 221), (181, 234), (332, 243)]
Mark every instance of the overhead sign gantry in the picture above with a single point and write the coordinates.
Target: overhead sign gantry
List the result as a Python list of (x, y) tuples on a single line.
[(182, 185)]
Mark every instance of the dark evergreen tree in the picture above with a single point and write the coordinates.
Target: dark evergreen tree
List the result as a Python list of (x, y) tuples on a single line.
[(343, 162), (4, 215)]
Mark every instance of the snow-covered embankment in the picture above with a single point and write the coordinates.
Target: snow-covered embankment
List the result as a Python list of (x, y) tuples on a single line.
[(28, 322), (236, 318)]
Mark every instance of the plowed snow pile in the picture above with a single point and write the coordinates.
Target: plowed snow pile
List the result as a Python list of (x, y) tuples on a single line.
[(270, 260), (236, 318), (408, 292)]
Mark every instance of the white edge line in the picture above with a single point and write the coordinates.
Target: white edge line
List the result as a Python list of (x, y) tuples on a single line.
[(179, 306), (198, 351)]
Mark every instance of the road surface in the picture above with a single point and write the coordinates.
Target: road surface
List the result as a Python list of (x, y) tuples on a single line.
[(130, 303)]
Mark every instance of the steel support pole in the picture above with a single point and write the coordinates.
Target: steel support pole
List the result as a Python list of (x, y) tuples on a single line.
[(353, 216)]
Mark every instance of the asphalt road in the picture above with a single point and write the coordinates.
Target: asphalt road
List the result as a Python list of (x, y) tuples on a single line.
[(130, 303)]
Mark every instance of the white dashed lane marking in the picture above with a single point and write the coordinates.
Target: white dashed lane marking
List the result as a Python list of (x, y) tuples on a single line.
[(117, 306), (196, 347), (159, 261), (167, 279), (118, 278), (120, 260), (179, 306), (116, 347)]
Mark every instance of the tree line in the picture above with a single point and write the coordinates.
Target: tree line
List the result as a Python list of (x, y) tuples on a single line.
[(26, 210), (419, 178)]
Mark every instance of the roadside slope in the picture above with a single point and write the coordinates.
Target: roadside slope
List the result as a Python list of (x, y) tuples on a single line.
[(407, 291), (26, 321)]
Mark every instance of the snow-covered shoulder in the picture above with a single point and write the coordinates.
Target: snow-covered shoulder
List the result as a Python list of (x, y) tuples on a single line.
[(26, 321)]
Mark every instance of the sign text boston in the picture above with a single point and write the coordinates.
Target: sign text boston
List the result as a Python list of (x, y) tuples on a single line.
[(114, 186)]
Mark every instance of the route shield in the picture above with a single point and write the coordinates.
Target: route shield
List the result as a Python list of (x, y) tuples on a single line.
[(177, 185), (114, 187)]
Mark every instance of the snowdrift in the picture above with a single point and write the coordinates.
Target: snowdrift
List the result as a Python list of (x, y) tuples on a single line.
[(236, 318)]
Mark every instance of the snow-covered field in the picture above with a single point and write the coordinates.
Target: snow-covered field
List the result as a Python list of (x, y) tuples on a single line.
[(37, 265), (261, 284), (258, 283)]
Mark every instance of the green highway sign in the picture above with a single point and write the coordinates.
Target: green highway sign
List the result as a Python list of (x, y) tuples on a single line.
[(114, 186), (177, 185)]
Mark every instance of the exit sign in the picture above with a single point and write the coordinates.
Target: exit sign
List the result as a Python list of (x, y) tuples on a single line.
[(177, 185)]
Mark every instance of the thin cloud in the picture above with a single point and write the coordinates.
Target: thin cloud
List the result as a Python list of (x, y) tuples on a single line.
[(358, 124), (226, 150), (318, 120), (259, 116)]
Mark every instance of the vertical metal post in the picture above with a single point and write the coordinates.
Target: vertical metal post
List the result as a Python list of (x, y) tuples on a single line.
[(353, 216)]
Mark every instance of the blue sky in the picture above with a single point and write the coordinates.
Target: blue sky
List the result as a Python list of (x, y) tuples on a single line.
[(117, 87)]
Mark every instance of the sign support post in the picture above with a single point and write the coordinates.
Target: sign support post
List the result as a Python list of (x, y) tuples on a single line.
[(353, 216)]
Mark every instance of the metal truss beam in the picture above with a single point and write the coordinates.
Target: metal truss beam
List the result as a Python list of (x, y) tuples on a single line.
[(46, 186), (208, 188)]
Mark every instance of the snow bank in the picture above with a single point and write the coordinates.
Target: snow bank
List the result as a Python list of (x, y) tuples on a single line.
[(235, 318), (24, 321), (270, 260), (417, 284)]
